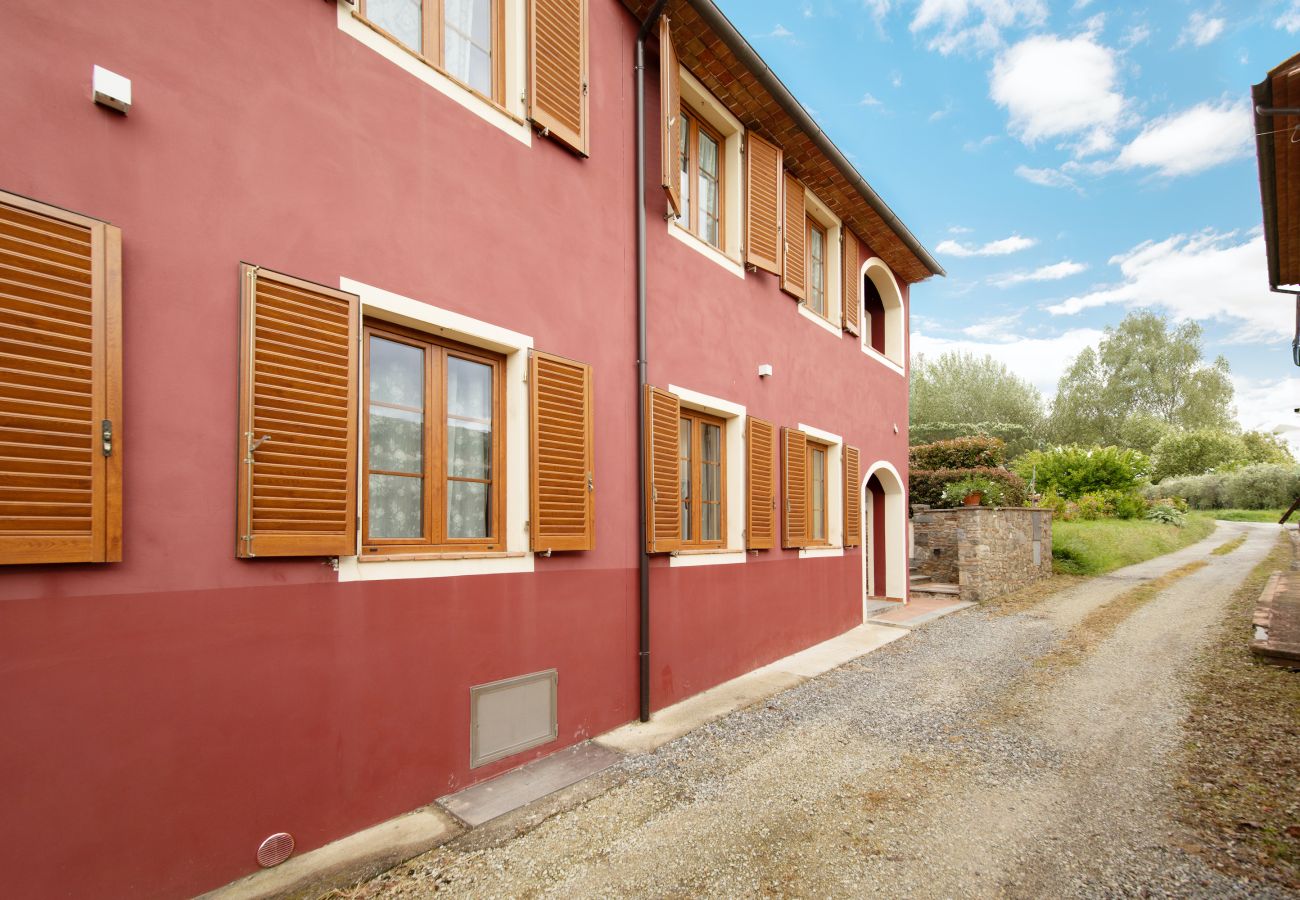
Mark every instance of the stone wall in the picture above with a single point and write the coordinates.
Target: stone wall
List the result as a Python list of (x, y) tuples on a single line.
[(985, 551)]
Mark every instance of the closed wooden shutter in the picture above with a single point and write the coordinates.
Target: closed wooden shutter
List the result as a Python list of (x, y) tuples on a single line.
[(794, 485), (794, 268), (852, 498), (852, 283), (297, 418), (670, 118), (557, 70), (663, 486), (760, 478), (60, 386), (763, 173), (563, 465)]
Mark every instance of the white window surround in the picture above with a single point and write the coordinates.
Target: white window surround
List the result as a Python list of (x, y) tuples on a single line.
[(834, 494), (704, 104), (896, 530), (822, 215), (512, 119), (381, 304), (892, 298), (734, 413)]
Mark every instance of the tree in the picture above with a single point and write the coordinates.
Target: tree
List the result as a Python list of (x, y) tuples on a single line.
[(1146, 369), (1197, 452), (1266, 448), (957, 389)]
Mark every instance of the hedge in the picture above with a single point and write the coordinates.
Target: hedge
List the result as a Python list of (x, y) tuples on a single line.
[(926, 485), (980, 451), (1261, 486)]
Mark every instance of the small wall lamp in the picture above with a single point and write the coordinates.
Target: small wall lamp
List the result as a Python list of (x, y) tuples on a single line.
[(764, 370)]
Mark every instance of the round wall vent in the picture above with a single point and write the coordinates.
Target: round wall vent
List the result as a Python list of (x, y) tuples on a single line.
[(275, 850)]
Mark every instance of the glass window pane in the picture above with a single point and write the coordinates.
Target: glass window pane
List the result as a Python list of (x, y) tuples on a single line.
[(711, 522), (396, 440), (685, 216), (469, 450), (708, 156), (467, 509), (684, 473), (396, 507), (818, 504), (711, 438), (396, 373), (467, 42), (469, 389), (400, 18)]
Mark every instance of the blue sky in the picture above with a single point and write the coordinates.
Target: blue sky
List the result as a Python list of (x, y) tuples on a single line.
[(1065, 161)]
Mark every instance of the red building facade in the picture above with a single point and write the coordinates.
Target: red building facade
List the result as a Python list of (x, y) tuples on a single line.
[(179, 692)]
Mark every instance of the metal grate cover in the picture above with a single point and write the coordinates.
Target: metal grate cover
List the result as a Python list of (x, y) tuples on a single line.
[(275, 850)]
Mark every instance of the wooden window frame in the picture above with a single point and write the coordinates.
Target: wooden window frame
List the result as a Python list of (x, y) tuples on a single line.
[(696, 541), (811, 225), (692, 124), (433, 35), (816, 446), (434, 539)]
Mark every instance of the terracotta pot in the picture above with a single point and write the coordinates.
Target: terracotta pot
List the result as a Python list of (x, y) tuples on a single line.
[(973, 498)]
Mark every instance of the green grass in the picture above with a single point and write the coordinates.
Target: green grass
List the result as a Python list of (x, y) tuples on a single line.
[(1243, 515), (1103, 545)]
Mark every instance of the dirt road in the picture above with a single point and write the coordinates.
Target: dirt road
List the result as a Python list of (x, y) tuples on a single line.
[(989, 754)]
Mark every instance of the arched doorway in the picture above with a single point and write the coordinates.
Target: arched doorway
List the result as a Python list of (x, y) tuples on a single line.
[(884, 532)]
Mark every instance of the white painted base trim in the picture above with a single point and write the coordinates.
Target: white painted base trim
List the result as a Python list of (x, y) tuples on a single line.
[(687, 560), (820, 552)]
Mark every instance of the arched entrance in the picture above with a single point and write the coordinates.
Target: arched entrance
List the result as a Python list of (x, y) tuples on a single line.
[(884, 533)]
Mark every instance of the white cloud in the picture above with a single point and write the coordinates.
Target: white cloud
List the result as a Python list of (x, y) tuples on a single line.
[(998, 328), (943, 112), (1267, 404), (1003, 247), (1290, 18), (959, 229), (1041, 361), (1207, 276), (878, 8), (870, 99), (1193, 140), (974, 25), (976, 146), (1134, 35), (781, 33), (1067, 88), (1200, 30), (807, 9), (1046, 177), (1053, 272), (896, 79)]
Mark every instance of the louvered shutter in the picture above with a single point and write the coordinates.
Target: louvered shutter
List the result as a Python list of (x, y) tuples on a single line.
[(851, 283), (763, 172), (852, 498), (794, 267), (563, 508), (794, 485), (670, 118), (60, 386), (557, 70), (663, 486), (297, 418), (760, 483)]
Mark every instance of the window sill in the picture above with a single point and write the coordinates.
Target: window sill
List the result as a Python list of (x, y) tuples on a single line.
[(820, 552), (884, 360), (463, 554), (710, 556), (824, 322), (704, 248)]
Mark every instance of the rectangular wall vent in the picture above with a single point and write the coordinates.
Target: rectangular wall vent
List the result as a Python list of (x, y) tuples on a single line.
[(509, 716)]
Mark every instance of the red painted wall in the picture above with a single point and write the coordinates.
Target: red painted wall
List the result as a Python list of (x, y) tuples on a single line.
[(163, 715)]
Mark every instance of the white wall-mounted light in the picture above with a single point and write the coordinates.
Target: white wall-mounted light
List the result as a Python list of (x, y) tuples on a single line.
[(895, 428), (764, 370), (111, 90)]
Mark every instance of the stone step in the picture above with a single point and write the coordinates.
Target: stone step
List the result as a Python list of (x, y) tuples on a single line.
[(937, 590), (919, 579)]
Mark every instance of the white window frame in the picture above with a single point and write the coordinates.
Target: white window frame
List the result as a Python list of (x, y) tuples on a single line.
[(733, 550), (894, 357), (377, 303), (834, 492), (820, 213), (510, 118)]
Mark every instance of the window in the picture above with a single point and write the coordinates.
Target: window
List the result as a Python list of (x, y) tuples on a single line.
[(817, 530), (816, 268), (701, 180), (702, 468), (433, 453), (463, 38)]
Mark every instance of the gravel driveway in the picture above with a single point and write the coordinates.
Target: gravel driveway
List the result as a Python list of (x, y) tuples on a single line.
[(973, 758)]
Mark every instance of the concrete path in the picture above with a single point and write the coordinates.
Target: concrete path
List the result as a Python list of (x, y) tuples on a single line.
[(987, 755)]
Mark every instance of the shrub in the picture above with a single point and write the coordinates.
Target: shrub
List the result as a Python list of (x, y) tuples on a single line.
[(976, 452), (1092, 506), (1018, 438), (1129, 505), (1075, 471), (926, 485), (991, 492), (1196, 452), (1260, 486), (1170, 515), (1050, 499)]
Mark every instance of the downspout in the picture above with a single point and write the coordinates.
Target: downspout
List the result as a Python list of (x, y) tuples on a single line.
[(643, 649)]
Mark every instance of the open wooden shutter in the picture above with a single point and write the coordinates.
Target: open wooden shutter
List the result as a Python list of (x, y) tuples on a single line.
[(297, 418), (760, 483), (763, 172), (794, 484), (563, 465), (557, 70), (670, 117), (60, 386), (852, 498), (794, 268), (850, 281), (663, 485)]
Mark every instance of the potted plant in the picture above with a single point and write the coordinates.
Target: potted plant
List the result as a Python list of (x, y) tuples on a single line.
[(976, 490)]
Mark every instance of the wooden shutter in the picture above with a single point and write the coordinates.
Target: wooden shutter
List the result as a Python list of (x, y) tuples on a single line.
[(794, 268), (663, 486), (794, 484), (763, 171), (60, 386), (557, 70), (851, 282), (670, 118), (563, 509), (297, 418), (852, 498), (760, 483)]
